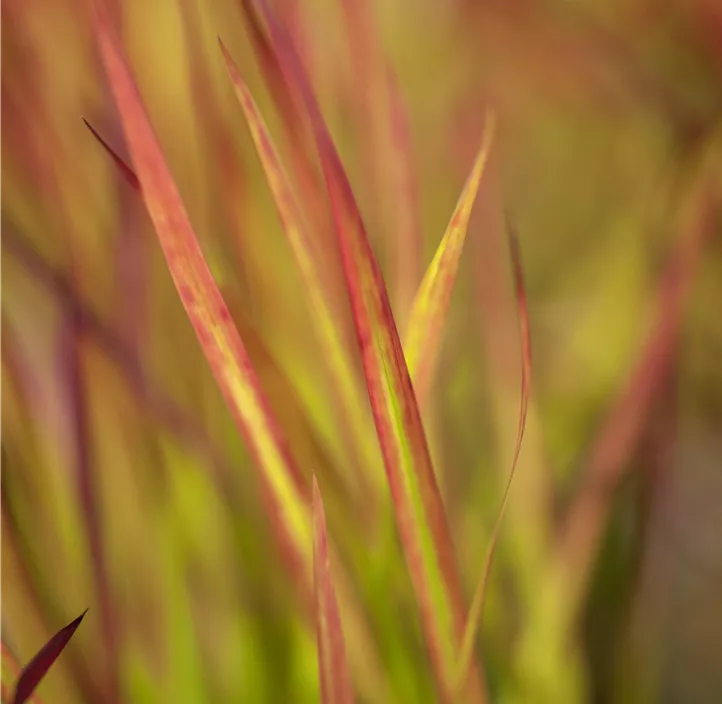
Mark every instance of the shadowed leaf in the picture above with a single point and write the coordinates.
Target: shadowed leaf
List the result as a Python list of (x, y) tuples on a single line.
[(120, 163), (284, 489), (36, 669), (419, 510), (473, 621), (431, 304), (333, 670)]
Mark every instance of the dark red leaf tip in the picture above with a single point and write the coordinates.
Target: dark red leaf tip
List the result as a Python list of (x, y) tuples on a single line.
[(36, 669)]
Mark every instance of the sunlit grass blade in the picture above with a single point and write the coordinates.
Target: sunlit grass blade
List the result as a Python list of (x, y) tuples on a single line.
[(296, 530), (431, 304), (296, 132), (323, 316), (33, 673), (333, 670), (269, 372), (419, 509), (473, 621), (284, 489)]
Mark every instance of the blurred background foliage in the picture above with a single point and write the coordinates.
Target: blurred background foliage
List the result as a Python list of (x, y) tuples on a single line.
[(125, 485)]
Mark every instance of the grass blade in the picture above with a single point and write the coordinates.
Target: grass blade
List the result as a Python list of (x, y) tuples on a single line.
[(423, 335), (122, 166), (36, 669), (294, 227), (473, 621), (297, 135), (333, 670), (284, 489), (419, 510)]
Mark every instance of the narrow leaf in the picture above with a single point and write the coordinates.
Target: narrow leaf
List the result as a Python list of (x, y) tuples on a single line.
[(295, 127), (284, 488), (419, 510), (473, 621), (431, 305), (128, 173), (36, 669), (333, 670), (323, 316)]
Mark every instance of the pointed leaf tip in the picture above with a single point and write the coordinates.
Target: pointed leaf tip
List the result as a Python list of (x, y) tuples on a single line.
[(284, 488), (431, 303), (418, 506), (126, 171), (37, 668)]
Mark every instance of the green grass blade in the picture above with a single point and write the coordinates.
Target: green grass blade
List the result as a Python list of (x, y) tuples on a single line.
[(324, 318), (419, 509), (284, 489), (473, 621), (431, 304), (333, 670)]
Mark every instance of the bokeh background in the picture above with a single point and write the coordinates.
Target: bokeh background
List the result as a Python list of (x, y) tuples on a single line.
[(125, 485)]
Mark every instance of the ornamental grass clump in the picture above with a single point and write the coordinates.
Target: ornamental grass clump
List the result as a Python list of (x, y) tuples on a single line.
[(299, 545)]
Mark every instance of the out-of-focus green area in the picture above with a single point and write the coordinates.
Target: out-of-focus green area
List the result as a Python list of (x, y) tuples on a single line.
[(125, 485)]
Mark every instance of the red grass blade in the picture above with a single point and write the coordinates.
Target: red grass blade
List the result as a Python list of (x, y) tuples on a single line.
[(127, 173), (296, 132), (284, 489), (296, 231), (36, 669), (423, 335), (419, 510), (333, 670), (473, 621)]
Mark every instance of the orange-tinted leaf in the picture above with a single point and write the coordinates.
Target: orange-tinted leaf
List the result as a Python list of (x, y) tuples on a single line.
[(419, 510), (285, 491), (333, 670), (473, 620), (423, 335), (37, 668)]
